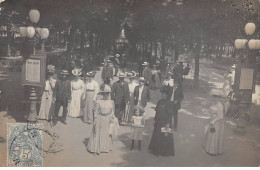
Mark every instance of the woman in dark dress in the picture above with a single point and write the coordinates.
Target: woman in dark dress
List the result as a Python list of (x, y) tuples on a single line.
[(162, 142)]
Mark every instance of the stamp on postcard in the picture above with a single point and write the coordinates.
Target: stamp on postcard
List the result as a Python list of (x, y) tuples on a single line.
[(24, 145)]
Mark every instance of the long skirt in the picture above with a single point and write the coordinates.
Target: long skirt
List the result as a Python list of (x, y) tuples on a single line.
[(89, 107), (160, 143), (47, 106), (74, 108), (136, 133), (100, 140), (214, 140)]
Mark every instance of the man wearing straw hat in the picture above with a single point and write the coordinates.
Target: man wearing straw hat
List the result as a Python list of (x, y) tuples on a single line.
[(147, 73), (63, 96), (120, 95)]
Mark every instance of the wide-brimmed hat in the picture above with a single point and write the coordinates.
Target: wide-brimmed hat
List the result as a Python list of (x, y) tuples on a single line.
[(76, 72), (104, 88), (141, 79), (131, 74), (64, 72), (169, 73), (117, 55), (121, 74), (108, 61), (50, 68), (91, 74), (145, 64)]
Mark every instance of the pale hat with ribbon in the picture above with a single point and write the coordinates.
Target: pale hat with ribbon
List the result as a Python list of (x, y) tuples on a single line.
[(169, 73), (76, 72), (64, 72), (131, 74), (117, 55), (141, 79), (50, 68), (91, 74), (121, 74), (104, 88), (145, 64)]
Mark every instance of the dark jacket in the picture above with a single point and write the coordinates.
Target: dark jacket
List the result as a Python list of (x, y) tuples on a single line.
[(63, 91), (147, 74), (178, 96), (107, 72), (145, 96), (120, 92)]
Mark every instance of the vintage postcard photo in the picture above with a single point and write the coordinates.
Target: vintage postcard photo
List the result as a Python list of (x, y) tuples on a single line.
[(129, 83)]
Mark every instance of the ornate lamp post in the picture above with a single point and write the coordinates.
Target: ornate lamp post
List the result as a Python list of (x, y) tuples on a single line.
[(246, 69), (34, 66), (121, 42)]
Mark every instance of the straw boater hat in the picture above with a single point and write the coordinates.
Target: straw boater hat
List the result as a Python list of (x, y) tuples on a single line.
[(145, 64), (91, 74), (108, 61), (131, 74), (105, 89), (121, 74), (117, 55), (169, 73), (141, 79), (64, 72), (76, 72)]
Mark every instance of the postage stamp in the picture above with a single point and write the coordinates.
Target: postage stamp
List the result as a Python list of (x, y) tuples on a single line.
[(25, 144)]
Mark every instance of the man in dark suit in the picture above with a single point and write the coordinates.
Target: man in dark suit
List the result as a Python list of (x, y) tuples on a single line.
[(63, 96), (147, 73), (120, 95), (141, 93), (175, 97), (107, 72)]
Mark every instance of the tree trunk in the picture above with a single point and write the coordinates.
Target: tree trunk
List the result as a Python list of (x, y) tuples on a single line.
[(82, 41), (163, 48), (197, 64), (156, 48), (177, 48), (91, 42), (71, 42)]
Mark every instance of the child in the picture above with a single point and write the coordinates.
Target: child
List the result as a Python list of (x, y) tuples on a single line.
[(137, 123)]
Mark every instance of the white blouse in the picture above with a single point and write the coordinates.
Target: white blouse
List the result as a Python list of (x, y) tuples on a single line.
[(93, 85), (132, 86)]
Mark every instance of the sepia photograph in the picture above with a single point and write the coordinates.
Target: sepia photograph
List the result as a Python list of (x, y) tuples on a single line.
[(129, 83)]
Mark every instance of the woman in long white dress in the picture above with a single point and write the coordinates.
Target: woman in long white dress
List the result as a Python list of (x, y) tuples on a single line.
[(48, 98), (77, 95), (215, 129), (100, 139)]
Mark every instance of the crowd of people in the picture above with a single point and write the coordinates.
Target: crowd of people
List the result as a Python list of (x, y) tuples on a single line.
[(122, 103)]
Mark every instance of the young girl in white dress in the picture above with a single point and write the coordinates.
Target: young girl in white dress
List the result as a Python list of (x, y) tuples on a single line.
[(137, 123)]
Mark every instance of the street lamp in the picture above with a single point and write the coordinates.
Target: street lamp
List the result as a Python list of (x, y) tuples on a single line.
[(34, 65), (246, 69)]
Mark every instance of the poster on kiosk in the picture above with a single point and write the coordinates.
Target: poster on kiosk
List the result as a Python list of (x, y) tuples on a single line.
[(34, 70)]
